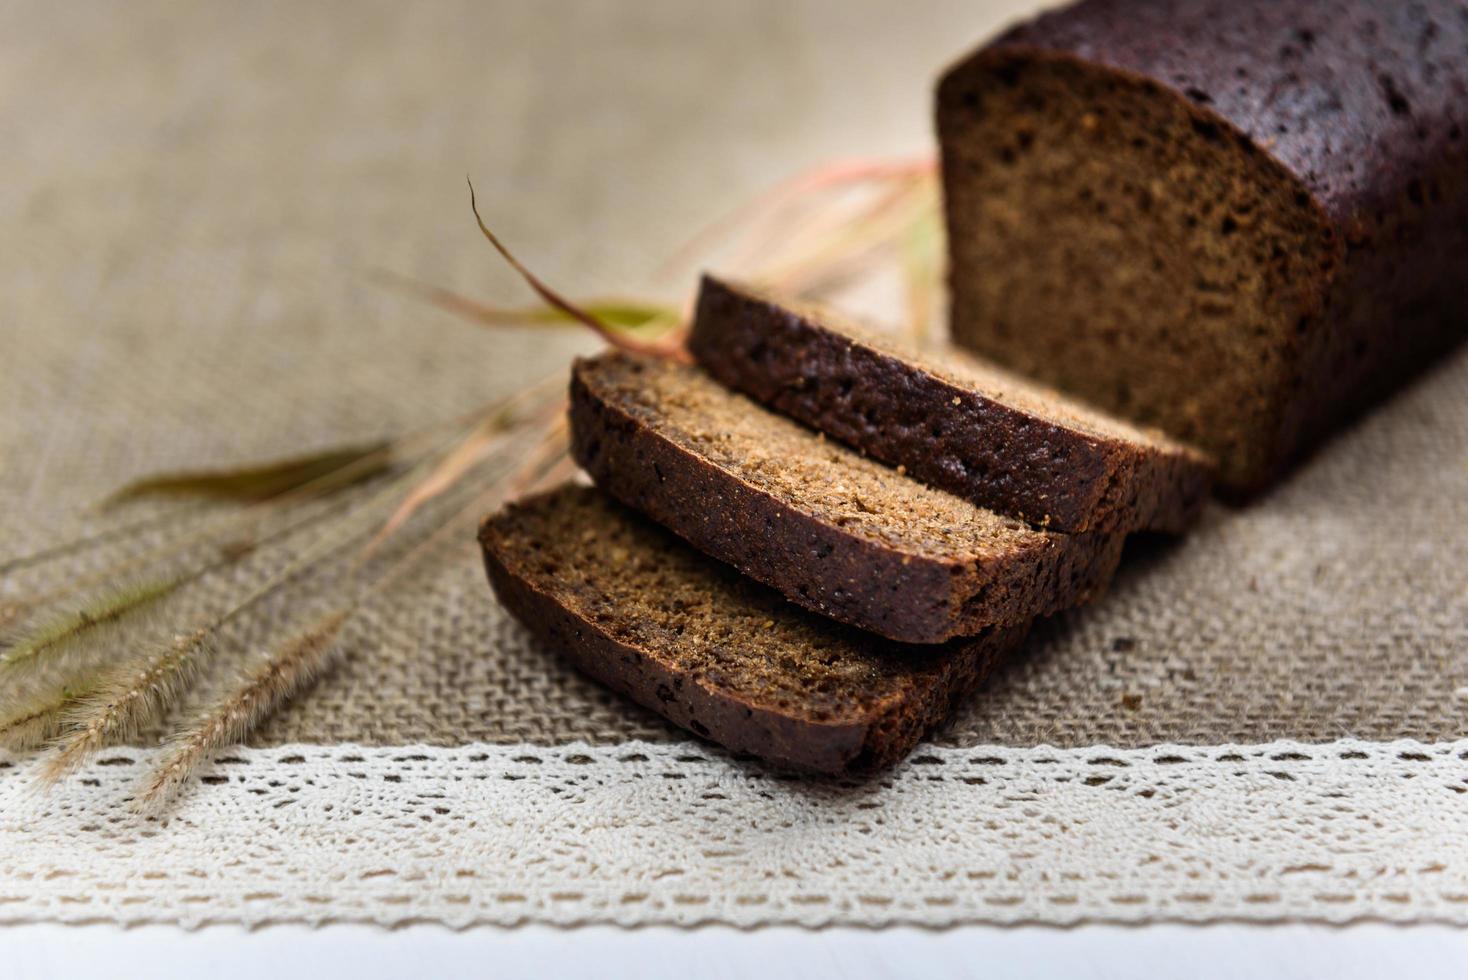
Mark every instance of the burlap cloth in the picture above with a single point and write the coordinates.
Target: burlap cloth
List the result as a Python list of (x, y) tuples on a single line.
[(194, 196)]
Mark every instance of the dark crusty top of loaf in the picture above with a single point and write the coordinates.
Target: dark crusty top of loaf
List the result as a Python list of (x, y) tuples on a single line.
[(638, 609), (1356, 97), (951, 419), (833, 530)]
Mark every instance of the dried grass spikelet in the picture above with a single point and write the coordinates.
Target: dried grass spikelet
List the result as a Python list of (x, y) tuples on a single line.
[(38, 714), (86, 631), (31, 731), (126, 698), (284, 672)]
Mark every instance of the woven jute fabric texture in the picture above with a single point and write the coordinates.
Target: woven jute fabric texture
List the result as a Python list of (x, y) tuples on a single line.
[(196, 197)]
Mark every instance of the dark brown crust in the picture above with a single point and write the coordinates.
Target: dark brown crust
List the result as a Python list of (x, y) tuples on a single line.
[(906, 597), (885, 736), (950, 436), (1364, 106)]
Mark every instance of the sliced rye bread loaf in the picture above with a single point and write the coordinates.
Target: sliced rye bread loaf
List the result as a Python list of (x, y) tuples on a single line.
[(1242, 221), (639, 610), (832, 530), (949, 419)]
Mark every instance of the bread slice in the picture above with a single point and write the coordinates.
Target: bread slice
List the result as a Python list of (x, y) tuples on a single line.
[(834, 531), (637, 609), (950, 419)]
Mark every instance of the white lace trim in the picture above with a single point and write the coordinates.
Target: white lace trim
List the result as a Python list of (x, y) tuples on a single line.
[(641, 833)]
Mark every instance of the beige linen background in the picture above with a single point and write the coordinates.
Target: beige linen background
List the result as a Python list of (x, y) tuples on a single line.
[(193, 198)]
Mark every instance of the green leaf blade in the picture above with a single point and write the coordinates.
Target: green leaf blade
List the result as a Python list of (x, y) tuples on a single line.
[(253, 484)]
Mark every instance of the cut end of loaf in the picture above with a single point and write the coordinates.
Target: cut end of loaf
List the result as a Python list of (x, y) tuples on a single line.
[(1109, 236)]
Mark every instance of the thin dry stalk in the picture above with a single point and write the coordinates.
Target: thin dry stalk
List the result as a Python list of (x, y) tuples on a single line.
[(114, 533), (294, 664), (31, 731), (670, 348), (559, 472), (422, 443), (922, 269), (451, 469), (879, 226), (822, 252), (352, 471), (42, 718), (80, 631), (790, 191), (800, 230), (138, 691), (87, 633), (550, 450), (49, 662), (549, 455), (127, 698), (618, 314), (487, 438), (285, 671)]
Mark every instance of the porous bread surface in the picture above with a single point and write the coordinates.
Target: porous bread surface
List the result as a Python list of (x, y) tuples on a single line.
[(951, 420), (962, 368), (807, 472), (643, 585), (1238, 221), (831, 530), (674, 620), (1094, 247)]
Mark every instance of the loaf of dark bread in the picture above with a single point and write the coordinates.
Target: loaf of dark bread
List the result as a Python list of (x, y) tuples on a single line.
[(832, 530), (1238, 220), (948, 419), (637, 609)]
